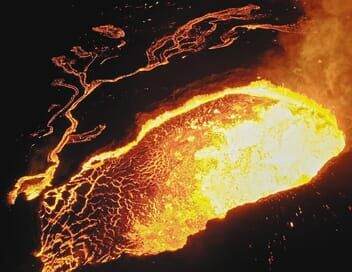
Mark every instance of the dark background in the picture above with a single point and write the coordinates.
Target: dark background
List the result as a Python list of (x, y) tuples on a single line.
[(306, 228)]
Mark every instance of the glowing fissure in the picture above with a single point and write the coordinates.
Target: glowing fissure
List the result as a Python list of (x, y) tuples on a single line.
[(189, 38), (185, 167)]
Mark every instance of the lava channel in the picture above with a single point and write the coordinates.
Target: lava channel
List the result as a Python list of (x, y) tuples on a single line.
[(185, 167)]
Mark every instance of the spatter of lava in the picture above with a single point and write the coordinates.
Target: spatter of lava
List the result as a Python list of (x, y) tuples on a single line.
[(185, 167)]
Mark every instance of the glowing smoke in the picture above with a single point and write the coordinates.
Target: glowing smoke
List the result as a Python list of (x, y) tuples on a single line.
[(317, 61)]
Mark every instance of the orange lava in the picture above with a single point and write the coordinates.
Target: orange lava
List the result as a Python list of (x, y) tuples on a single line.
[(191, 37), (185, 167), (110, 31)]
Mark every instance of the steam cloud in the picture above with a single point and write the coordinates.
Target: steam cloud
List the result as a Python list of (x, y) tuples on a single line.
[(317, 61)]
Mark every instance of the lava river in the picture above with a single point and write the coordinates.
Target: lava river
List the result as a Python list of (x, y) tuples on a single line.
[(184, 167)]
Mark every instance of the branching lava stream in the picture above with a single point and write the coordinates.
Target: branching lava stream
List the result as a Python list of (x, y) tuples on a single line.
[(185, 166), (189, 38)]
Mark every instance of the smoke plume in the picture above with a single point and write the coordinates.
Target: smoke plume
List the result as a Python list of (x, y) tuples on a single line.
[(317, 60)]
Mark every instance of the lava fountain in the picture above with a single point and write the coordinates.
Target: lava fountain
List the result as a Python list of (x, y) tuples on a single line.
[(185, 167)]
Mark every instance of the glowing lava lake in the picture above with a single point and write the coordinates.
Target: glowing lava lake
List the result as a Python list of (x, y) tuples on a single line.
[(185, 167)]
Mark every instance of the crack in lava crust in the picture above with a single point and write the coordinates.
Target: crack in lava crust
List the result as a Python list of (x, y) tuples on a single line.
[(185, 167)]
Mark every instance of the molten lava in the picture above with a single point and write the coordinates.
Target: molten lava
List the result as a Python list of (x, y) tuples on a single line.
[(185, 167), (192, 37)]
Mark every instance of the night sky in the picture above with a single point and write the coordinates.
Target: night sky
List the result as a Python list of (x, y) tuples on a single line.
[(302, 229)]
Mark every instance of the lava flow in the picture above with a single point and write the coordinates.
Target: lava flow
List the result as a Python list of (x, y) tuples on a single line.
[(191, 37), (185, 167)]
